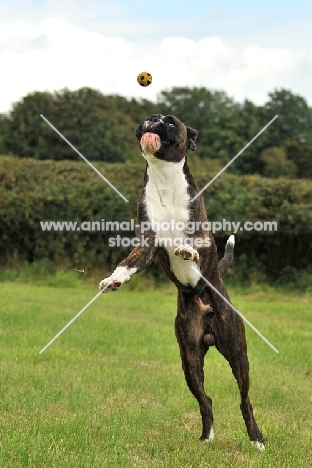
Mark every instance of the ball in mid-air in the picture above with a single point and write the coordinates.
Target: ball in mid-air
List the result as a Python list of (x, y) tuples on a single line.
[(144, 79)]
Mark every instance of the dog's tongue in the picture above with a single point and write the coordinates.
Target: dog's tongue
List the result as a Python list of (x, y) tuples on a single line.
[(150, 142)]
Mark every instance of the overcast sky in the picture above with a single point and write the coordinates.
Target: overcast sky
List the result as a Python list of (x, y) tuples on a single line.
[(242, 47)]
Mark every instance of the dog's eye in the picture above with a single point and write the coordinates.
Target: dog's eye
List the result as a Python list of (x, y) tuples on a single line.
[(171, 125)]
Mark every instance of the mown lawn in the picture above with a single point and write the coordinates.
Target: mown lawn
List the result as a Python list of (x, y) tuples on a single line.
[(110, 391)]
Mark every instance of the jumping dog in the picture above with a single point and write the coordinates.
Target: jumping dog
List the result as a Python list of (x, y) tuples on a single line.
[(167, 204)]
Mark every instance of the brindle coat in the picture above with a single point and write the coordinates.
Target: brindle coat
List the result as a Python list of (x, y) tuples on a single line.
[(203, 317)]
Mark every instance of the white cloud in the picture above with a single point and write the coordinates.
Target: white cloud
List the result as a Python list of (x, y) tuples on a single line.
[(54, 54)]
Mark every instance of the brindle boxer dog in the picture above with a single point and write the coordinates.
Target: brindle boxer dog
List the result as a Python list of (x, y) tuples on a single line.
[(204, 318)]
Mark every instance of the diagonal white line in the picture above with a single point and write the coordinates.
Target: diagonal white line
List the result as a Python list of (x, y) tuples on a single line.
[(79, 313), (231, 305), (69, 323), (82, 156), (235, 157)]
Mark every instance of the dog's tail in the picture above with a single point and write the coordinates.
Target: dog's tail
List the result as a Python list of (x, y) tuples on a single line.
[(226, 261)]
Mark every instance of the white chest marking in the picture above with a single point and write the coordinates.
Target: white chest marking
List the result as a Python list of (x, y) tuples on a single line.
[(167, 203)]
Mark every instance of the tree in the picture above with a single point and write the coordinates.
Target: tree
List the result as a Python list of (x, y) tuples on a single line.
[(102, 128), (300, 156), (4, 131), (137, 109), (224, 126), (294, 117), (27, 135), (92, 122), (292, 129)]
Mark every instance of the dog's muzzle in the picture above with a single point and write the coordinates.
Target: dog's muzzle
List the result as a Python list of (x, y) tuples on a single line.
[(152, 128), (152, 124)]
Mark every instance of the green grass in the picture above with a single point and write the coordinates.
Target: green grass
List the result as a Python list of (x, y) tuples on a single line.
[(110, 391)]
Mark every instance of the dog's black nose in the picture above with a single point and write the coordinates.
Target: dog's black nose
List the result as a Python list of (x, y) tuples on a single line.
[(153, 122), (155, 119)]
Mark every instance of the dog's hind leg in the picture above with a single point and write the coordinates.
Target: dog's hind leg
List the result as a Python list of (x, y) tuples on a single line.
[(189, 331), (241, 373), (234, 348)]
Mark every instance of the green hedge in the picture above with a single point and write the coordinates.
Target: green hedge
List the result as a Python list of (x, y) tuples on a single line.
[(34, 191)]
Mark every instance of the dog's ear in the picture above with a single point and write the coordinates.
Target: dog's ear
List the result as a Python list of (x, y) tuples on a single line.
[(192, 135)]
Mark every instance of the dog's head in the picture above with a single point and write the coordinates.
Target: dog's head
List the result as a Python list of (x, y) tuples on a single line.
[(165, 138)]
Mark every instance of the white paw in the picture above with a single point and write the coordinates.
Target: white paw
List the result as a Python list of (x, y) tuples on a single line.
[(186, 252), (258, 445), (109, 284), (120, 276), (211, 436)]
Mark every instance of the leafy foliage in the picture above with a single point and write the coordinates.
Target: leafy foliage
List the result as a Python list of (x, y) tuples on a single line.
[(101, 127), (276, 163), (95, 124), (35, 191)]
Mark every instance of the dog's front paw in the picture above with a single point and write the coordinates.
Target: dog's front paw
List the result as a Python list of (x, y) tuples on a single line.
[(186, 252), (109, 284), (120, 276)]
